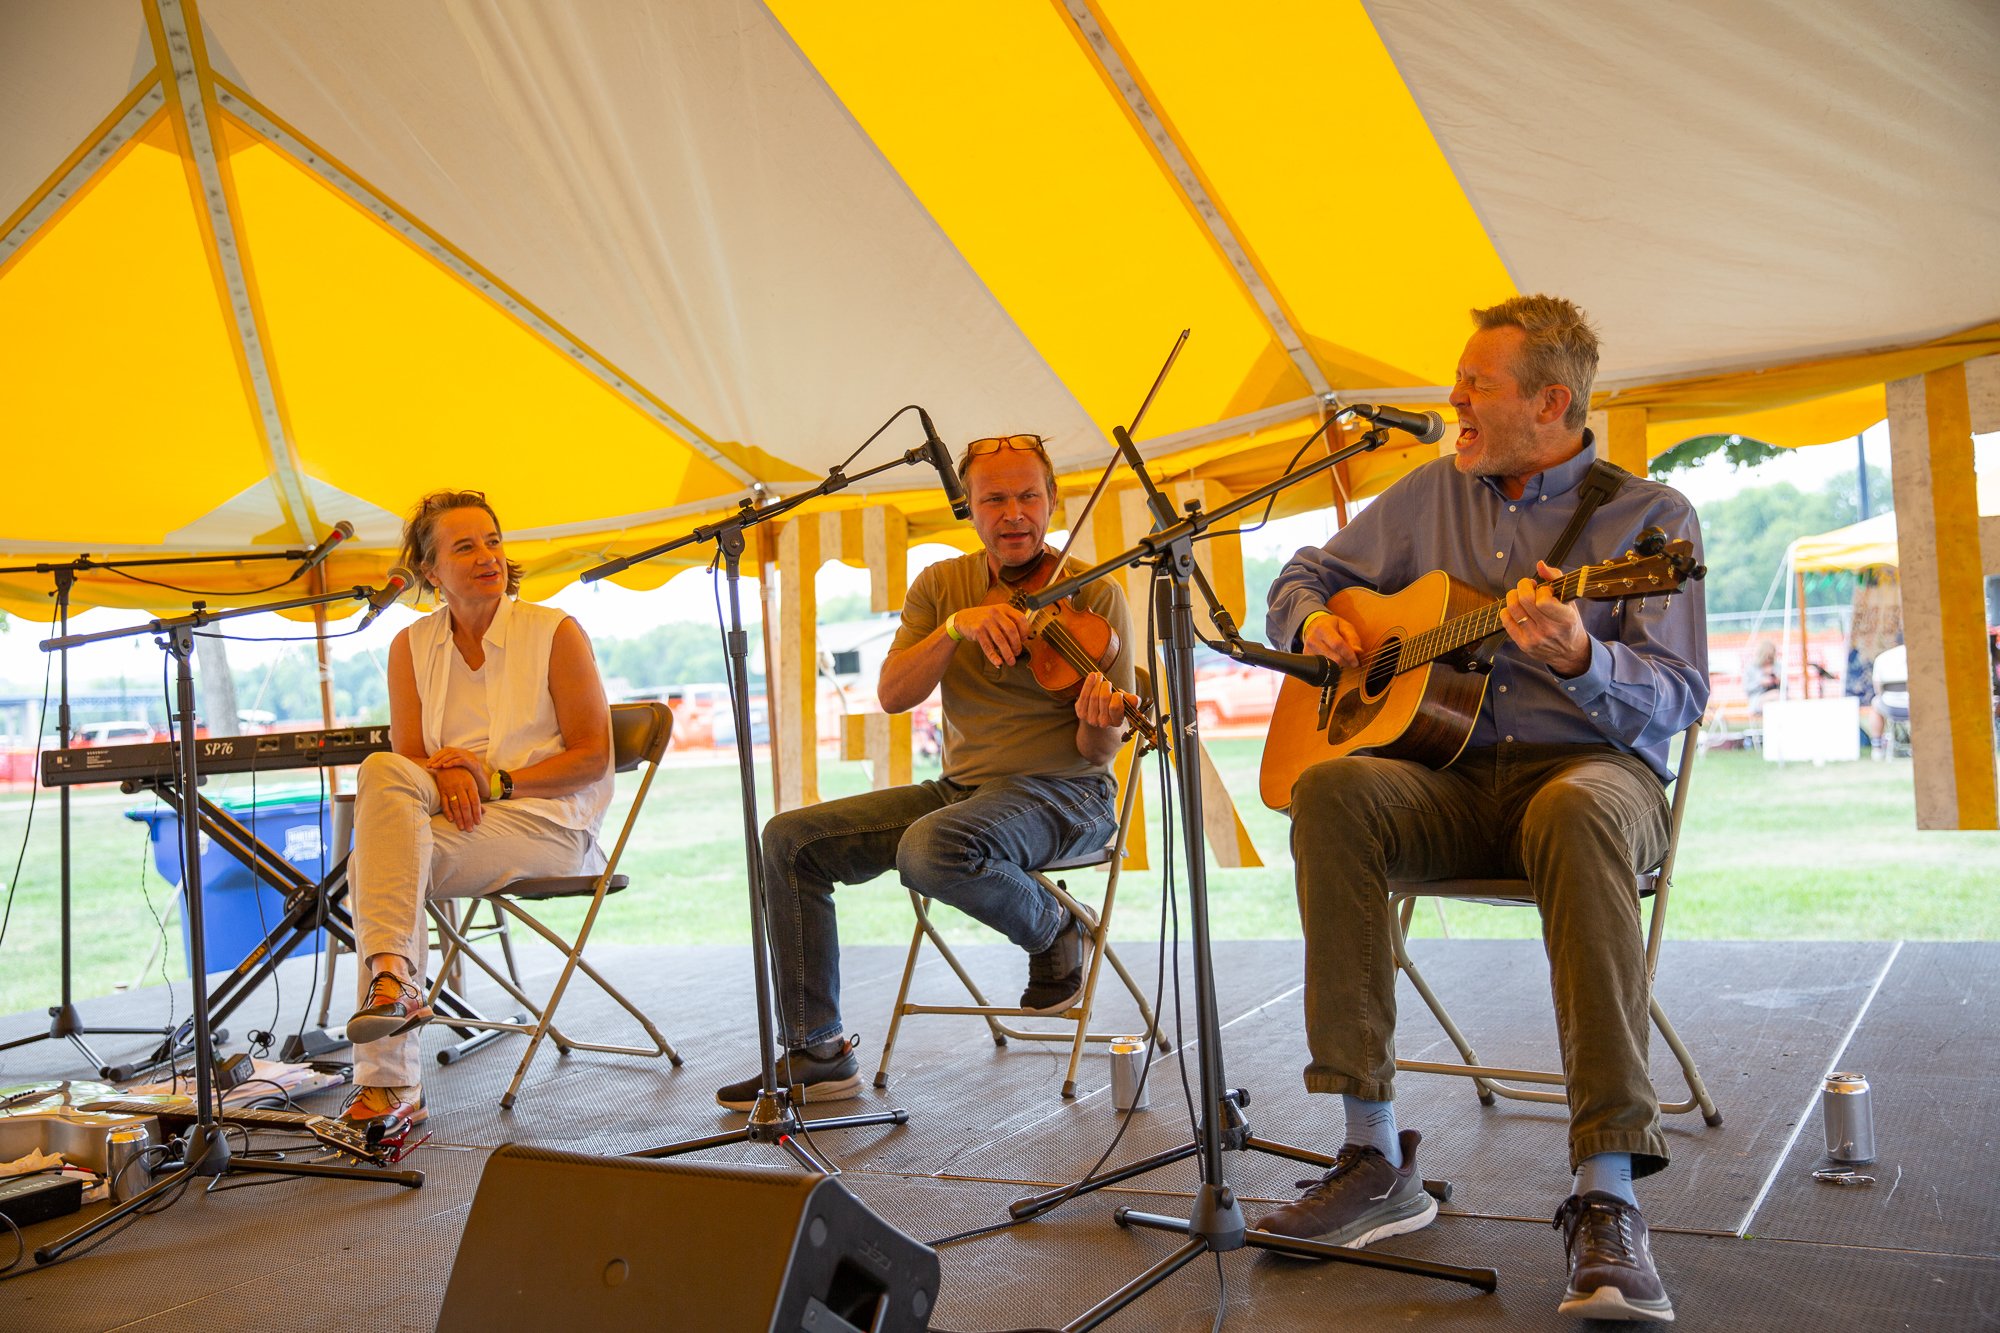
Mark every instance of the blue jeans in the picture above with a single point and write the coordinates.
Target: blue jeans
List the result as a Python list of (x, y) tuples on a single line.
[(971, 847)]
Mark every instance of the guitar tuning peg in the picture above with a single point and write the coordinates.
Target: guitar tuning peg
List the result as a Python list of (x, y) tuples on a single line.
[(1652, 541)]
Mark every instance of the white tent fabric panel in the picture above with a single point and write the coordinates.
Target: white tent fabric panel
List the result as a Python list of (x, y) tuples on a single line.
[(676, 186), (1742, 146), (68, 65)]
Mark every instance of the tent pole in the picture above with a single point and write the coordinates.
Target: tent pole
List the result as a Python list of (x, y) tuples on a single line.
[(767, 557), (325, 669), (1805, 649)]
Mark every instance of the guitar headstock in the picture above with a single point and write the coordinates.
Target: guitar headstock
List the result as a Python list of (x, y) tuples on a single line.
[(1657, 567)]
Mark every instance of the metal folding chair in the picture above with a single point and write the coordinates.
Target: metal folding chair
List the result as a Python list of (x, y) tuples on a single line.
[(1492, 1080), (1097, 922), (639, 734)]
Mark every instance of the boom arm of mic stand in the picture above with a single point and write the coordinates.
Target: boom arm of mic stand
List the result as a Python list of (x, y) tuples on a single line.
[(204, 616), (748, 515), (1167, 532)]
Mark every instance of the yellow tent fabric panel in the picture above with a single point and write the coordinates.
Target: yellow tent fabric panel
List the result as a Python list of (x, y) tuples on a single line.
[(1007, 135), (390, 364), (116, 351), (1323, 159)]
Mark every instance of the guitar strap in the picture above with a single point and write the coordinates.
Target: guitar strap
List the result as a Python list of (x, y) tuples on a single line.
[(1598, 485)]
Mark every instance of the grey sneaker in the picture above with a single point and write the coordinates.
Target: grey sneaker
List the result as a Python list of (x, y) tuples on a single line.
[(830, 1078), (1360, 1199), (1611, 1273), (1055, 975)]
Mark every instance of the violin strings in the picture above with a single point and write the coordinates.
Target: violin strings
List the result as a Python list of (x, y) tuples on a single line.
[(1080, 662)]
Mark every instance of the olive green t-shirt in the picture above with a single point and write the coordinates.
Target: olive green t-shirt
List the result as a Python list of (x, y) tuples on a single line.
[(999, 721)]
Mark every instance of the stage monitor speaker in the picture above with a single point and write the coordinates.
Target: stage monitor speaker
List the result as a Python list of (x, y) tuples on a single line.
[(566, 1240)]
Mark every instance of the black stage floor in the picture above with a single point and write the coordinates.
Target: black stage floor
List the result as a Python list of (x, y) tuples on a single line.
[(1745, 1238)]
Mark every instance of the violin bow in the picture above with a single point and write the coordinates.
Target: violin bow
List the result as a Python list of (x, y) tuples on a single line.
[(1112, 462)]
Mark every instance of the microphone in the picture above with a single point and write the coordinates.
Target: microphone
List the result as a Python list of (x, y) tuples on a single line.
[(342, 531), (380, 599), (1311, 668), (940, 458), (1428, 427)]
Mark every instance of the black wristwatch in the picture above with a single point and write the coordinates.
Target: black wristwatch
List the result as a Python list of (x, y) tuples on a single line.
[(506, 784)]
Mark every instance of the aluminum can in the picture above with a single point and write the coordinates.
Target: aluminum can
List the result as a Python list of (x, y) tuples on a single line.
[(1128, 1066), (1848, 1117), (125, 1161)]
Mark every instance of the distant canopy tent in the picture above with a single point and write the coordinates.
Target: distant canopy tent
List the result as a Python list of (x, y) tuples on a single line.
[(621, 263), (1858, 548)]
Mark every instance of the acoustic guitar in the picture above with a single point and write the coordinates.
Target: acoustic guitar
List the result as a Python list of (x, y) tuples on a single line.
[(1422, 678)]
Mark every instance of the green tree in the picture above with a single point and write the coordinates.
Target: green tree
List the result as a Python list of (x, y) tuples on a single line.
[(1745, 536)]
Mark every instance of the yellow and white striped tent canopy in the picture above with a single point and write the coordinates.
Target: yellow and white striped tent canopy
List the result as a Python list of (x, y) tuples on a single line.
[(269, 266)]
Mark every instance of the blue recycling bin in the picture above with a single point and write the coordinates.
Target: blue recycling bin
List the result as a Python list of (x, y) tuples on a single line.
[(237, 909)]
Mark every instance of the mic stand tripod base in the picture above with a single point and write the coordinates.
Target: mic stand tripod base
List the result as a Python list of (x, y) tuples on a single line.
[(775, 1120), (205, 1152)]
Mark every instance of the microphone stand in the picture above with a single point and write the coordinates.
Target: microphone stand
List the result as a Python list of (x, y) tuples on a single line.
[(205, 1147), (64, 1021), (774, 1119), (1216, 1223)]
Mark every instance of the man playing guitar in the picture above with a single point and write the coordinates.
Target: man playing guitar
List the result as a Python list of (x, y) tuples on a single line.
[(1561, 783), (1026, 778)]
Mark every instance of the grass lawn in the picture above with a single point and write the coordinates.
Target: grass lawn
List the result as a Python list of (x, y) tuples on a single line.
[(1770, 852)]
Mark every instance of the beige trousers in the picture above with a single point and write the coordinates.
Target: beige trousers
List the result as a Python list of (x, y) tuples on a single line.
[(407, 853)]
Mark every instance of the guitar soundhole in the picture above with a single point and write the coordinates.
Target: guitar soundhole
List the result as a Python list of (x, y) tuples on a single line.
[(1382, 667)]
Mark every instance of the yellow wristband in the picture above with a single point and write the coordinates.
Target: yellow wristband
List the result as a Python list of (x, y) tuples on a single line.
[(1306, 624), (493, 791), (951, 628)]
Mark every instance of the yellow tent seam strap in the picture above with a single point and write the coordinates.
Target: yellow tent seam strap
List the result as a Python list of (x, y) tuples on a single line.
[(461, 266), (1105, 50), (125, 123), (176, 31)]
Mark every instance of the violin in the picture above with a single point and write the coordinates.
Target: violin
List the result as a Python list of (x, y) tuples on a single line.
[(1066, 642)]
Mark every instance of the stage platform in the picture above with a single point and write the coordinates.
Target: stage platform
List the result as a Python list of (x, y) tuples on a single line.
[(1744, 1237)]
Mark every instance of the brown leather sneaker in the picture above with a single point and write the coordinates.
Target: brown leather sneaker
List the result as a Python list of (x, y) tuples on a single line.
[(384, 1109), (394, 1007), (1360, 1199), (1611, 1273)]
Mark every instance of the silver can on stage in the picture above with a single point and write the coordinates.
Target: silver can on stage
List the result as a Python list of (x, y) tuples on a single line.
[(1128, 1072), (1848, 1117), (125, 1165)]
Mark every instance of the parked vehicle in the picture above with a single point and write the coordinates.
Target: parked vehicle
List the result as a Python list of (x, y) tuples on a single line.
[(1235, 696), (125, 732)]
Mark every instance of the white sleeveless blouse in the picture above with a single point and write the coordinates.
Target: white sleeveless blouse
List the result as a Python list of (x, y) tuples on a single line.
[(520, 715)]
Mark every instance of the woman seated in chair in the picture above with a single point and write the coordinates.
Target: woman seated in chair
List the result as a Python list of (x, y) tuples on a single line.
[(501, 770)]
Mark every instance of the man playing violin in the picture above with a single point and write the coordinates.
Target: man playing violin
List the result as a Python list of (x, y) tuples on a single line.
[(1561, 783), (1026, 778)]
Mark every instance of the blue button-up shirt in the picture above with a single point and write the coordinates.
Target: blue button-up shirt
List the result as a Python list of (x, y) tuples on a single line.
[(1648, 673)]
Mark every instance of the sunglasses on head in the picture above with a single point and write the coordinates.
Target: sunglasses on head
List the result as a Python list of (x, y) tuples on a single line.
[(993, 444)]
